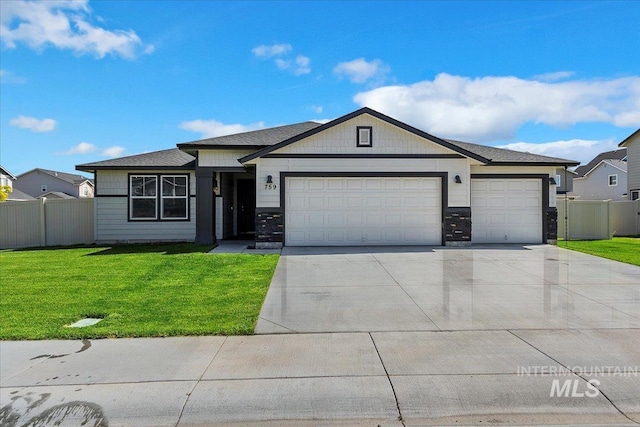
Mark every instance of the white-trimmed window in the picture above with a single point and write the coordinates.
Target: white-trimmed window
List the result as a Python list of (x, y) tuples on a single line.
[(635, 194), (558, 182), (364, 136), (143, 197), (174, 197), (613, 180)]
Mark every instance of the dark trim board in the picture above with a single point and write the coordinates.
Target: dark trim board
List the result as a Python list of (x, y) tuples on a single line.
[(109, 195), (544, 178), (362, 156), (444, 188)]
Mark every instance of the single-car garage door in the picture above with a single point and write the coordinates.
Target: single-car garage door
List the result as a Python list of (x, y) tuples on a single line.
[(353, 211), (506, 211)]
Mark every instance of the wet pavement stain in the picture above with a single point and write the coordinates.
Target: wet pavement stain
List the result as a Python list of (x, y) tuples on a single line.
[(86, 344), (76, 413)]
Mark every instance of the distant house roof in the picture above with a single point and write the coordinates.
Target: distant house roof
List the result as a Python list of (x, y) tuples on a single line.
[(628, 139), (256, 138), (163, 159), (618, 164), (618, 154), (7, 173), (19, 195), (55, 195), (67, 177)]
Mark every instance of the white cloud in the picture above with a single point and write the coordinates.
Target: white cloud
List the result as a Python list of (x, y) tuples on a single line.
[(114, 151), (82, 148), (64, 25), (316, 108), (33, 124), (302, 65), (269, 51), (554, 77), (213, 128), (299, 66), (11, 78), (360, 71), (493, 108), (582, 150)]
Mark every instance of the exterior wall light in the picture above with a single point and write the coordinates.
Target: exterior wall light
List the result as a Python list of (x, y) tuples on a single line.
[(269, 179), (458, 179)]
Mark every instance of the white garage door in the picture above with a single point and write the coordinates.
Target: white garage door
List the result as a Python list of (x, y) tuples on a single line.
[(356, 211), (506, 211)]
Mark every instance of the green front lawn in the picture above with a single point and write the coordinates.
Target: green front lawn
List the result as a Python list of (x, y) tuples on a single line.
[(624, 249), (139, 290)]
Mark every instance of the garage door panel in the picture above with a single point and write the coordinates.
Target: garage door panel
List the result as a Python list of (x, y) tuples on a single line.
[(512, 215), (363, 211)]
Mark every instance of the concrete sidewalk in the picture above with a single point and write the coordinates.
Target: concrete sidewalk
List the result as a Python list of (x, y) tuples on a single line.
[(347, 379)]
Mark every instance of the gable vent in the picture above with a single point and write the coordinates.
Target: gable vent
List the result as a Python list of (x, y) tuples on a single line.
[(364, 135)]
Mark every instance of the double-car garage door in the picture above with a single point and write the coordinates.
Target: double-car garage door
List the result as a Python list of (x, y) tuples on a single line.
[(384, 210), (356, 211)]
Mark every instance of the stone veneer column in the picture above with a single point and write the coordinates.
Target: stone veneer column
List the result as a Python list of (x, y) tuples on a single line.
[(269, 228), (552, 226), (457, 226)]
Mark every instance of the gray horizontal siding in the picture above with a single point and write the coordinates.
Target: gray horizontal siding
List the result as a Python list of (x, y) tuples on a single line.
[(112, 224)]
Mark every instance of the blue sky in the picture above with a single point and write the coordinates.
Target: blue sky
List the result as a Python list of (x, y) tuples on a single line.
[(86, 81)]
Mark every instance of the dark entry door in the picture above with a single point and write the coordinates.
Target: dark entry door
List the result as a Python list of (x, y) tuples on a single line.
[(246, 206)]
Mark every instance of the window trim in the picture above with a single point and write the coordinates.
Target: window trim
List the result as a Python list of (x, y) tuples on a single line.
[(636, 193), (360, 144), (615, 176), (158, 198), (558, 181)]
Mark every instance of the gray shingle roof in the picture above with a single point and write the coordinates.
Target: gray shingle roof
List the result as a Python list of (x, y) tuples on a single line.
[(256, 138), (71, 178), (19, 195), (618, 154), (171, 158), (502, 155)]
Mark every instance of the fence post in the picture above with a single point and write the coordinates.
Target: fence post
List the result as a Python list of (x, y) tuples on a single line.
[(43, 222), (609, 219)]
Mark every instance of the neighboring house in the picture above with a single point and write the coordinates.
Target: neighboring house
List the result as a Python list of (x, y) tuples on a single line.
[(603, 178), (564, 180), (632, 144), (38, 181), (6, 178), (361, 179), (606, 181)]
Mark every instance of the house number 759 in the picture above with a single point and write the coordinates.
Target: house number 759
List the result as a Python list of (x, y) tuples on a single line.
[(270, 186)]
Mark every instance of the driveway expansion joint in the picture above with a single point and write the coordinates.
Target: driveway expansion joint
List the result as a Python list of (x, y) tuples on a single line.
[(393, 390), (184, 405)]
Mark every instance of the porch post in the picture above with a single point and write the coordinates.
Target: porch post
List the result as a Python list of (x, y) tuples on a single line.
[(205, 207)]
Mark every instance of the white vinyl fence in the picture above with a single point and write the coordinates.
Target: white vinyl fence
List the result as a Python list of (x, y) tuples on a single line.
[(46, 223), (597, 219)]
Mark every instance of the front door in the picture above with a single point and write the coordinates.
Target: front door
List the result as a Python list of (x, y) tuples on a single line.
[(246, 206)]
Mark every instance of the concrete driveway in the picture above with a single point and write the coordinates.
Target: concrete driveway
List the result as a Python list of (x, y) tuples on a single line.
[(433, 289)]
